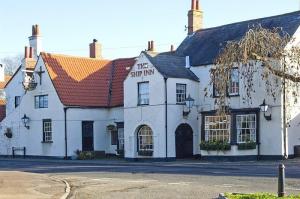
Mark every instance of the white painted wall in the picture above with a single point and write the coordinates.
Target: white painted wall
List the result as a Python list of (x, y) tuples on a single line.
[(32, 138), (270, 131), (153, 114)]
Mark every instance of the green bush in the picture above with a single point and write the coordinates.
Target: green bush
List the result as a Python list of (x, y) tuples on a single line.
[(85, 155), (215, 146), (247, 146), (258, 196)]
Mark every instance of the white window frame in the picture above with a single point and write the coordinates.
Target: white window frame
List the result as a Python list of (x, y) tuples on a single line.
[(145, 139), (143, 93), (234, 85), (121, 138), (47, 130), (41, 101), (216, 128), (180, 93), (250, 128)]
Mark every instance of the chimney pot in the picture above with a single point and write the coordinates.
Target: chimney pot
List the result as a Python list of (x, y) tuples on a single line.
[(197, 4), (193, 5), (149, 45), (30, 52), (172, 48), (152, 45), (26, 54)]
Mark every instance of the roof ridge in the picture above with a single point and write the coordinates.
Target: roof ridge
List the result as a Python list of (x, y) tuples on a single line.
[(73, 56), (250, 20)]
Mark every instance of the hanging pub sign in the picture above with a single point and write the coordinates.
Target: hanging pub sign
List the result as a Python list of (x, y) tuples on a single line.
[(143, 69)]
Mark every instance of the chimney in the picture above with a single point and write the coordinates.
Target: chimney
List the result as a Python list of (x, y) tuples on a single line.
[(26, 54), (152, 45), (195, 17), (35, 41), (172, 48), (95, 50), (149, 45), (187, 62)]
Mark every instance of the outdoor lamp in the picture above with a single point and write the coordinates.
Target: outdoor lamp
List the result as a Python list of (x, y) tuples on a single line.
[(189, 103), (264, 108), (25, 120)]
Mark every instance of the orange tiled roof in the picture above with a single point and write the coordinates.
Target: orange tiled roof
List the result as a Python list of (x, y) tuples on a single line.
[(2, 109), (86, 81), (6, 79)]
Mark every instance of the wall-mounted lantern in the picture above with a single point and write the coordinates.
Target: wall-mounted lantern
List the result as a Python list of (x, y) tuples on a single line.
[(264, 108), (25, 120), (189, 103)]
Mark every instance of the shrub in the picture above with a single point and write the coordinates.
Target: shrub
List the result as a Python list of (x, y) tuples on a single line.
[(215, 146), (258, 196), (85, 155), (247, 146)]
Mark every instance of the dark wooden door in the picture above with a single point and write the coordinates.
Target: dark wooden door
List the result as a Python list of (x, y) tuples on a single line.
[(87, 136), (184, 141)]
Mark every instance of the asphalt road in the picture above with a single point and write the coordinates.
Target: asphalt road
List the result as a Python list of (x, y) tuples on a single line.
[(179, 179), (192, 167)]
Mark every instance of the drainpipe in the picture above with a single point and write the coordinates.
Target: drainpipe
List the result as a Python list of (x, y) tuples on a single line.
[(66, 137), (166, 116)]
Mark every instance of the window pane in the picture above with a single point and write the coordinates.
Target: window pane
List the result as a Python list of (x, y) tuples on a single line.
[(145, 139), (217, 128), (180, 93), (246, 128), (234, 82), (143, 93)]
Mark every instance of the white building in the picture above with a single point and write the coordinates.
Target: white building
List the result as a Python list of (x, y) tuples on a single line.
[(75, 103), (157, 125), (58, 104)]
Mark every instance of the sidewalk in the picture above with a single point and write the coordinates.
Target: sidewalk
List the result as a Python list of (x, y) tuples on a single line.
[(15, 185)]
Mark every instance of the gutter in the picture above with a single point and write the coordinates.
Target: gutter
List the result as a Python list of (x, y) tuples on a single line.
[(166, 116), (66, 134)]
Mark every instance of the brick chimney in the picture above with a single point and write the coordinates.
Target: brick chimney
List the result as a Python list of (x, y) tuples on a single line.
[(195, 17), (95, 50)]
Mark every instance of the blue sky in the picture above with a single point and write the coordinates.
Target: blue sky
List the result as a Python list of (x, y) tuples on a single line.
[(122, 26)]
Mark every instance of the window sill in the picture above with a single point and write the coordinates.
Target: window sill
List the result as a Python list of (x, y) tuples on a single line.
[(234, 95), (46, 142), (143, 105), (180, 103)]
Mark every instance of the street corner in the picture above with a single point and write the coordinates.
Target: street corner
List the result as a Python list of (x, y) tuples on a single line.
[(16, 185)]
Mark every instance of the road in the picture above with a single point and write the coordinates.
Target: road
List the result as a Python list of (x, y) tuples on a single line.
[(180, 179)]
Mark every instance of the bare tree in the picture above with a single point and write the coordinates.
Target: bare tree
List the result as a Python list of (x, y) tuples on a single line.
[(11, 63), (268, 50)]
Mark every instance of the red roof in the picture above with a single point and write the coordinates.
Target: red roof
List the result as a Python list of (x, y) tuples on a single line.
[(2, 109), (87, 81), (6, 79)]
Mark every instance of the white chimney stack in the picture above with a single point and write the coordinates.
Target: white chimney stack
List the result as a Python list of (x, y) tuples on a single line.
[(35, 41), (187, 62)]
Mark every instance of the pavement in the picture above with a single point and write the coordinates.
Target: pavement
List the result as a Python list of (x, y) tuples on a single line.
[(22, 185), (114, 178)]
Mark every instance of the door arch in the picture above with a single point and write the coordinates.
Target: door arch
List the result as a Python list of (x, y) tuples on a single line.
[(184, 141)]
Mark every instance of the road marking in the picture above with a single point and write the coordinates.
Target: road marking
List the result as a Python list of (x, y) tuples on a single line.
[(293, 189), (103, 179), (180, 183), (229, 185), (141, 181)]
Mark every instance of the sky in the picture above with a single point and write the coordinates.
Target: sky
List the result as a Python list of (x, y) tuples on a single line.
[(123, 27)]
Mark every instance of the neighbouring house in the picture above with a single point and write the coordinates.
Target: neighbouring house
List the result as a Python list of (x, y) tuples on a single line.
[(168, 113), (59, 104)]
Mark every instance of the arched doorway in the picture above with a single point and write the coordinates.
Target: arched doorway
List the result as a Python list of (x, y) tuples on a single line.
[(184, 141)]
